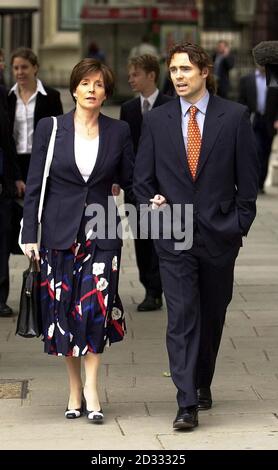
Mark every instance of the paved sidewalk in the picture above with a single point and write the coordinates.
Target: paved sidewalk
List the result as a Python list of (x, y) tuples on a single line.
[(138, 401)]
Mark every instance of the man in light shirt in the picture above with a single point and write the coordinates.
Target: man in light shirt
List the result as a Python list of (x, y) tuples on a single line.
[(199, 151)]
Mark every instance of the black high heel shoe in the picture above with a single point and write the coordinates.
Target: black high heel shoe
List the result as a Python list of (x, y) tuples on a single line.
[(74, 413)]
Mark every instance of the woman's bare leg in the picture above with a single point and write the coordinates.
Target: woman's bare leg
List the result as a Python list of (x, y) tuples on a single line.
[(75, 382), (91, 363)]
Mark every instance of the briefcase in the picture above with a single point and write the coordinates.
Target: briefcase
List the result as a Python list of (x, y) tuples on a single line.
[(29, 323)]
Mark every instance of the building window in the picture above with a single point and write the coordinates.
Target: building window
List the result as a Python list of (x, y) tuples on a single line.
[(69, 14), (219, 15)]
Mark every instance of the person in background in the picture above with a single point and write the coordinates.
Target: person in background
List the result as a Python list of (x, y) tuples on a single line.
[(29, 100), (145, 47), (81, 308), (197, 150), (143, 77), (2, 67), (10, 184), (94, 52), (223, 63), (262, 102)]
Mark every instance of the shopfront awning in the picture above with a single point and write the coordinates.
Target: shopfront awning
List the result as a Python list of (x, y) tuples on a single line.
[(105, 14), (16, 11), (102, 14)]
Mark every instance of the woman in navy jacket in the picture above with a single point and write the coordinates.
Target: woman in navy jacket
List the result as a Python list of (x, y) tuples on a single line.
[(81, 308)]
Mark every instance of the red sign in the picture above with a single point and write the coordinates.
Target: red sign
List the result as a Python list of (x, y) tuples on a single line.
[(174, 14), (106, 13)]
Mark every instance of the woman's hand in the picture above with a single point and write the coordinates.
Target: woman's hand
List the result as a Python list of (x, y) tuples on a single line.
[(158, 201), (30, 249), (116, 189), (20, 188)]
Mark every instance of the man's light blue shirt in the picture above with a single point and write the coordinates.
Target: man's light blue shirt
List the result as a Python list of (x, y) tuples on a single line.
[(202, 105), (261, 91)]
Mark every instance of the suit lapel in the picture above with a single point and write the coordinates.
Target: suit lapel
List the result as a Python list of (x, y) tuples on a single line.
[(175, 131), (212, 125), (68, 127), (137, 113), (103, 123), (37, 109), (158, 100)]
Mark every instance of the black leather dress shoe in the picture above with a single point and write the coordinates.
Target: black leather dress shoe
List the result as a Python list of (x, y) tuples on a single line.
[(187, 418), (150, 303), (204, 399), (5, 310)]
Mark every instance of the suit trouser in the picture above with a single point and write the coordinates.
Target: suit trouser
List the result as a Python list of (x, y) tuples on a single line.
[(197, 289), (264, 142), (148, 266), (147, 260), (5, 237)]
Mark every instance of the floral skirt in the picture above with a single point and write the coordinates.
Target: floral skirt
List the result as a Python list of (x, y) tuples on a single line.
[(81, 309)]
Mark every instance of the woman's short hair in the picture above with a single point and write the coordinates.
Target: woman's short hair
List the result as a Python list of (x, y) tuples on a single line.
[(87, 66), (197, 56), (25, 53)]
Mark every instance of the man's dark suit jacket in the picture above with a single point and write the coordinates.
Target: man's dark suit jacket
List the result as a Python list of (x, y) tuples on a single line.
[(10, 170), (225, 190), (132, 114), (67, 192), (248, 97), (46, 105), (225, 64)]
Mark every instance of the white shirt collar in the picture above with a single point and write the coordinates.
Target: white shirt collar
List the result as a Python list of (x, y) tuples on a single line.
[(40, 89), (151, 99)]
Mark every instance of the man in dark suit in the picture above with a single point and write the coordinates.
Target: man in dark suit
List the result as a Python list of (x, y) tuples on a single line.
[(197, 150), (262, 102), (223, 62), (9, 175), (143, 76)]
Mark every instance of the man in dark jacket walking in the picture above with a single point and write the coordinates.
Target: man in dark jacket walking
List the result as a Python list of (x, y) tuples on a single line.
[(10, 183), (143, 76)]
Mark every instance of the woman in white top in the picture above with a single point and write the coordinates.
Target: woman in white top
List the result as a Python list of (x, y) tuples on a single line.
[(28, 101), (81, 308)]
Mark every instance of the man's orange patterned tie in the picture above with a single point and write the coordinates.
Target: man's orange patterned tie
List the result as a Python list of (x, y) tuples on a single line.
[(193, 141)]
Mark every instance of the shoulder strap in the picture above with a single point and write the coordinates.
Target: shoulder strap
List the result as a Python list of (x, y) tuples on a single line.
[(48, 162)]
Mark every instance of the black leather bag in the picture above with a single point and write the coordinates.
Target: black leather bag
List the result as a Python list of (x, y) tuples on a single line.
[(29, 324)]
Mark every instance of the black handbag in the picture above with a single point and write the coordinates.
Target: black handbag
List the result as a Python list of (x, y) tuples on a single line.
[(29, 323)]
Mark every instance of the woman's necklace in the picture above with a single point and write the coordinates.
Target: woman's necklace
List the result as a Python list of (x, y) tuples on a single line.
[(85, 129), (90, 130)]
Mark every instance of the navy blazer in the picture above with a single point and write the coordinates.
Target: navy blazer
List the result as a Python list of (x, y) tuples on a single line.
[(10, 171), (67, 193), (131, 113), (224, 192)]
